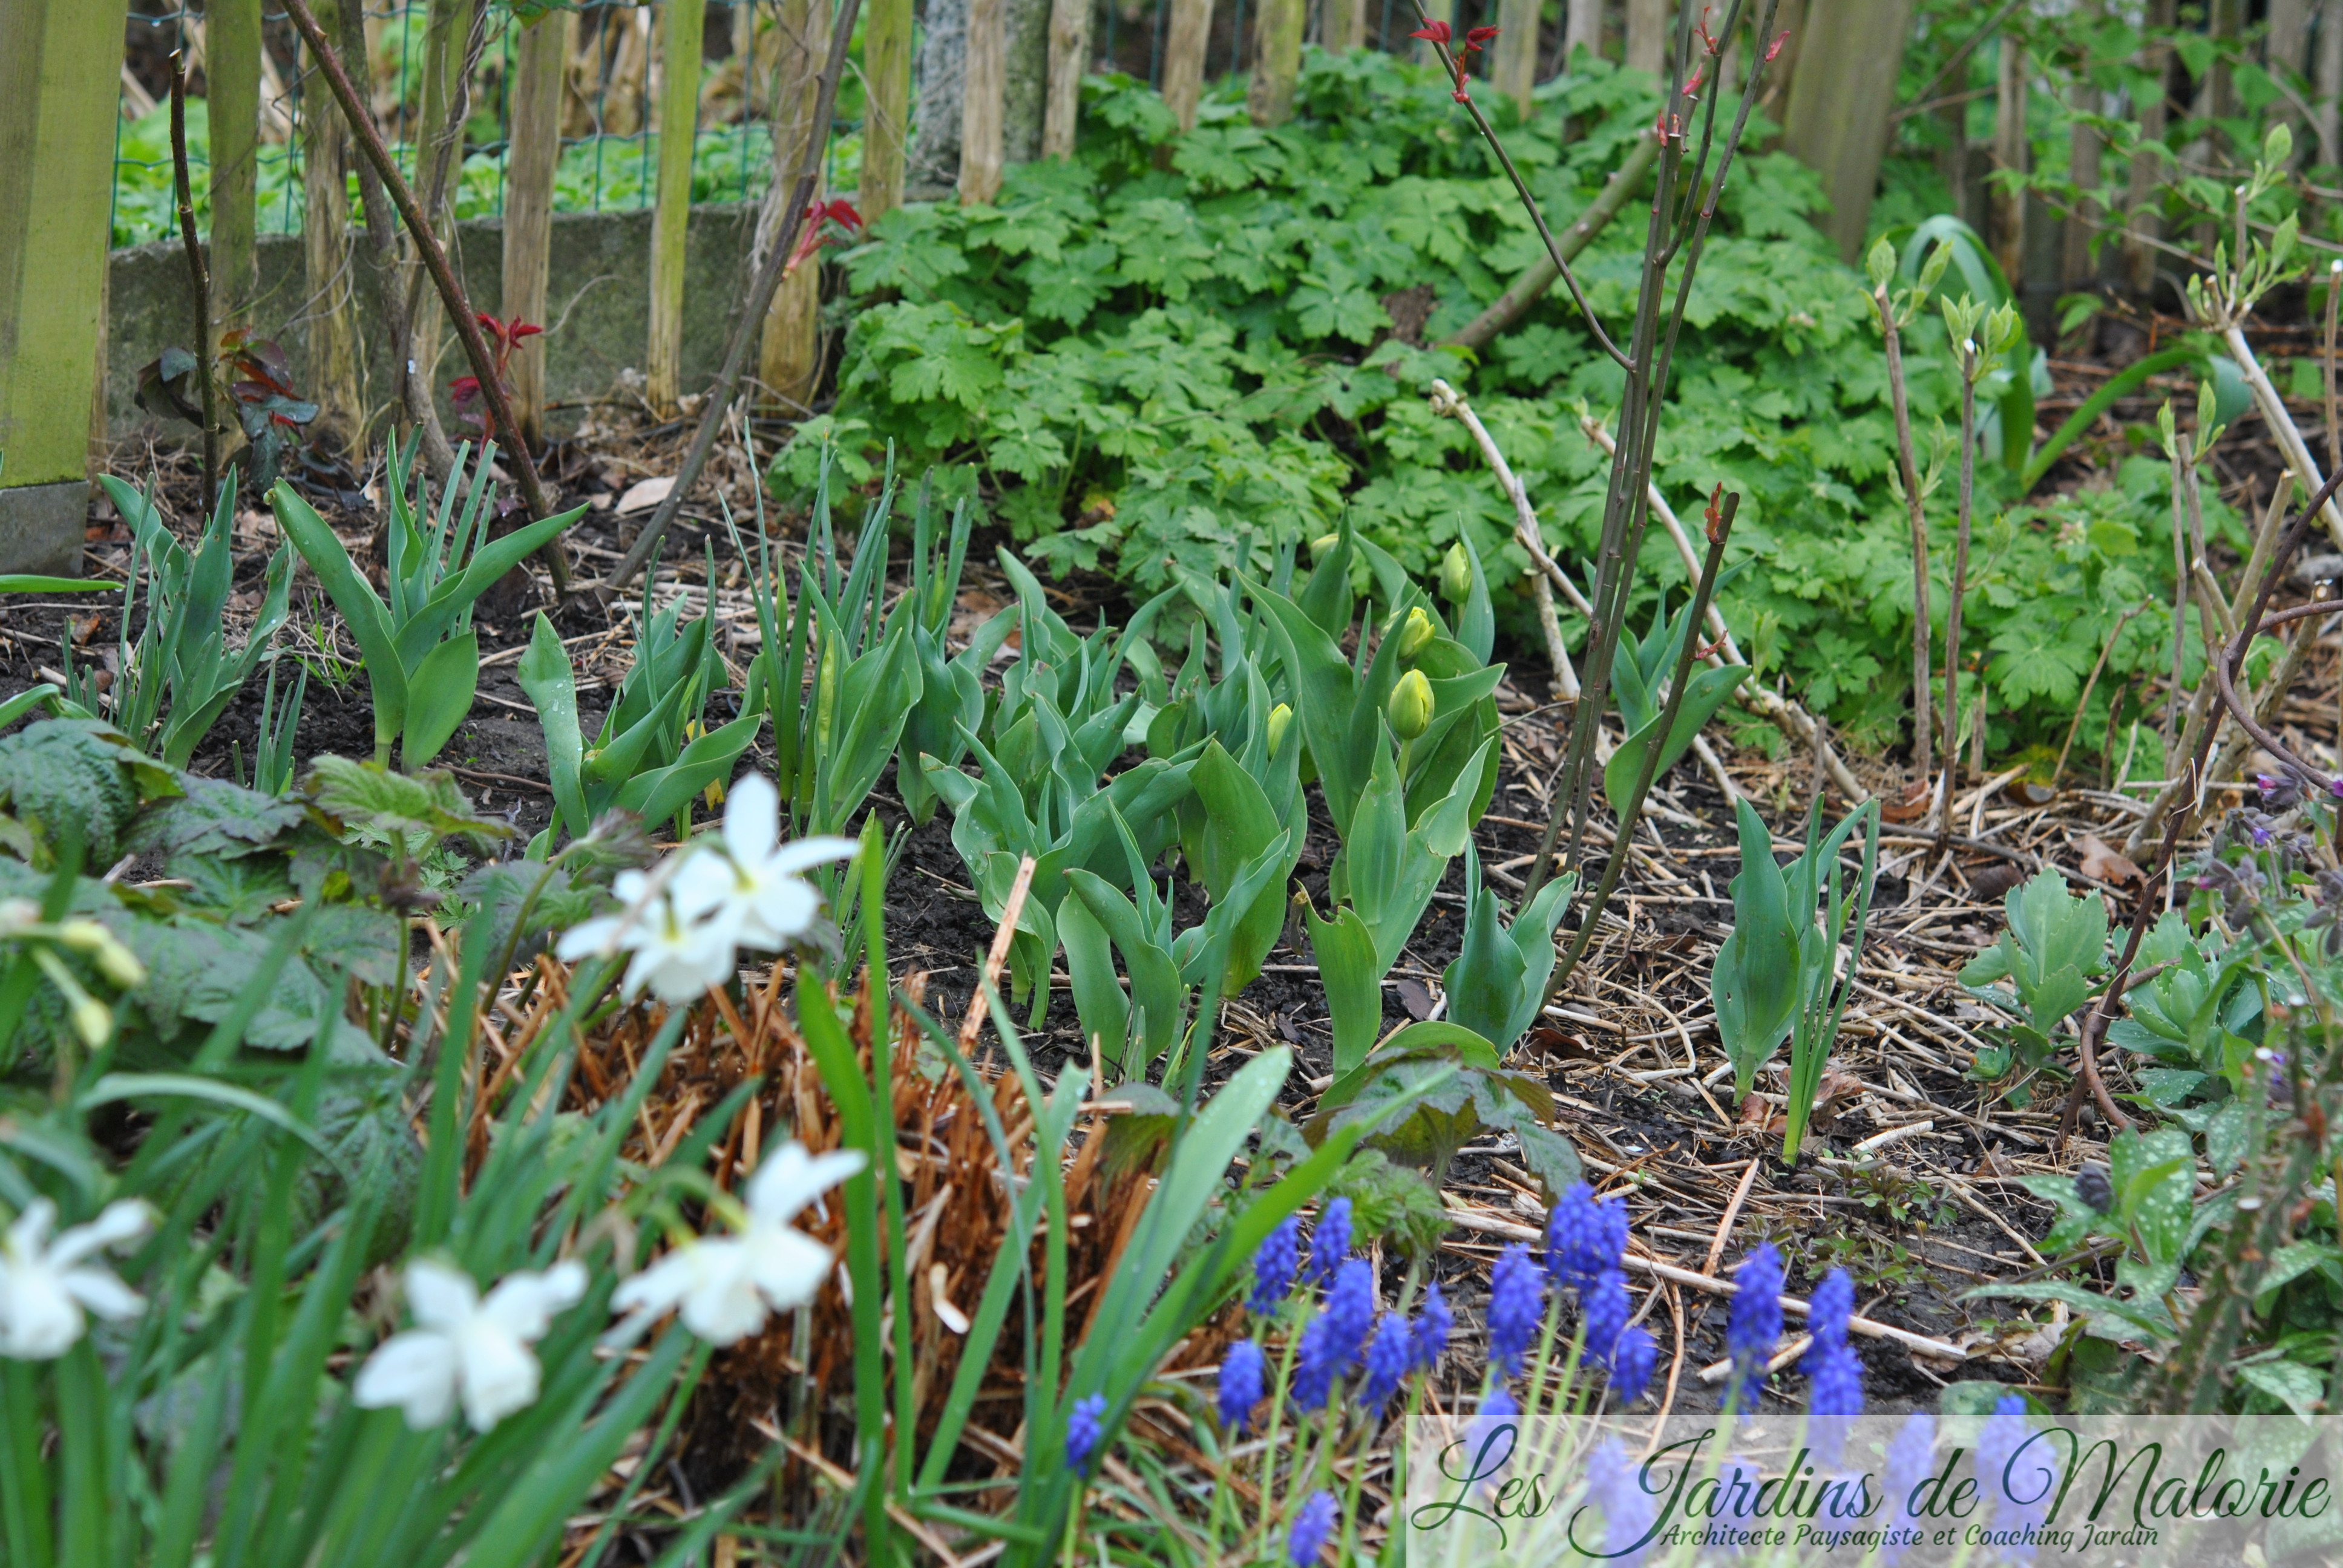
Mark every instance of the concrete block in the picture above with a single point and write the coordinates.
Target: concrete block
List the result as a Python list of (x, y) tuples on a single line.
[(41, 528), (597, 309)]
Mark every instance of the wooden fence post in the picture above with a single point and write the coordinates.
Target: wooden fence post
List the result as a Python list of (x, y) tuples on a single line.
[(887, 79), (60, 70), (1650, 28), (1513, 69), (1185, 39), (789, 351), (1343, 24), (1582, 23), (679, 124), (538, 67), (981, 105), (445, 39), (1840, 97), (328, 297), (232, 86), (1070, 45), (1276, 60)]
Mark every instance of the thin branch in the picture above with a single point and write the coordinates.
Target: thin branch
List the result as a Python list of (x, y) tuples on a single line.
[(200, 278)]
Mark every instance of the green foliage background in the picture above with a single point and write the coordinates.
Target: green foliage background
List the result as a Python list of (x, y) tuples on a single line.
[(1190, 361)]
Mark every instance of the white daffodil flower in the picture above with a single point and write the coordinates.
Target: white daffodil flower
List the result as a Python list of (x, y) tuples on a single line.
[(755, 884), (685, 922), (46, 1285), (678, 956), (464, 1347), (727, 1284)]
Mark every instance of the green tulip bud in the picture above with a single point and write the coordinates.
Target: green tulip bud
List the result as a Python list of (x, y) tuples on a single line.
[(117, 962), (1322, 543), (92, 1021), (1456, 575), (1416, 633), (1409, 708), (1281, 720)]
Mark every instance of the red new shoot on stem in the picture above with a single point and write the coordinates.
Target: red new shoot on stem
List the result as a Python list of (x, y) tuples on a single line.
[(465, 391)]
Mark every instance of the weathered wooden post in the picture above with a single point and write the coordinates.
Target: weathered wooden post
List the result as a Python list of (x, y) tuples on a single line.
[(1651, 29), (1513, 67), (446, 44), (789, 353), (886, 78), (1343, 24), (539, 66), (329, 302), (1183, 58), (1276, 60), (679, 125), (1840, 97), (981, 104), (232, 88), (1070, 44), (60, 68)]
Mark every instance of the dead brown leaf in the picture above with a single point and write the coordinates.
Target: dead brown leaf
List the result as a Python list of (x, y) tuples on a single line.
[(2107, 865)]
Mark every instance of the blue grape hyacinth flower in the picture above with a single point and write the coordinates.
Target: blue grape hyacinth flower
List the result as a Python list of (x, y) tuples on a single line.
[(1432, 1327), (1605, 1309), (1314, 1526), (1632, 1363), (1330, 1242), (1389, 1355), (1243, 1383), (1276, 1266), (1083, 1425), (1585, 1236), (1755, 1324), (1516, 1303), (1331, 1341), (1829, 1308)]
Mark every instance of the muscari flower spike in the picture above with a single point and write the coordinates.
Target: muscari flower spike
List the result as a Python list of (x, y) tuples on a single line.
[(1330, 1242), (1755, 1324), (1390, 1354), (1276, 1266), (1084, 1424), (1314, 1526), (1605, 1309), (1585, 1236), (1632, 1363), (1516, 1302), (1244, 1381), (1332, 1340), (1432, 1327), (1828, 1309)]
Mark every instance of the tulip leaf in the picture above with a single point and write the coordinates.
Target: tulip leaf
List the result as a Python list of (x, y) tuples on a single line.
[(439, 694), (1353, 984)]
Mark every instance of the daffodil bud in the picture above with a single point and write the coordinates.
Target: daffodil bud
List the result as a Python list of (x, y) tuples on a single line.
[(1322, 543), (1280, 718), (115, 961), (1416, 633), (1456, 575), (1409, 708)]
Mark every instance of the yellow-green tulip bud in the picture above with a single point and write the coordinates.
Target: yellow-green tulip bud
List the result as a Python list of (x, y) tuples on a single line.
[(1409, 708), (117, 962), (1416, 633), (1280, 718), (1456, 575), (1322, 543), (92, 1021)]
